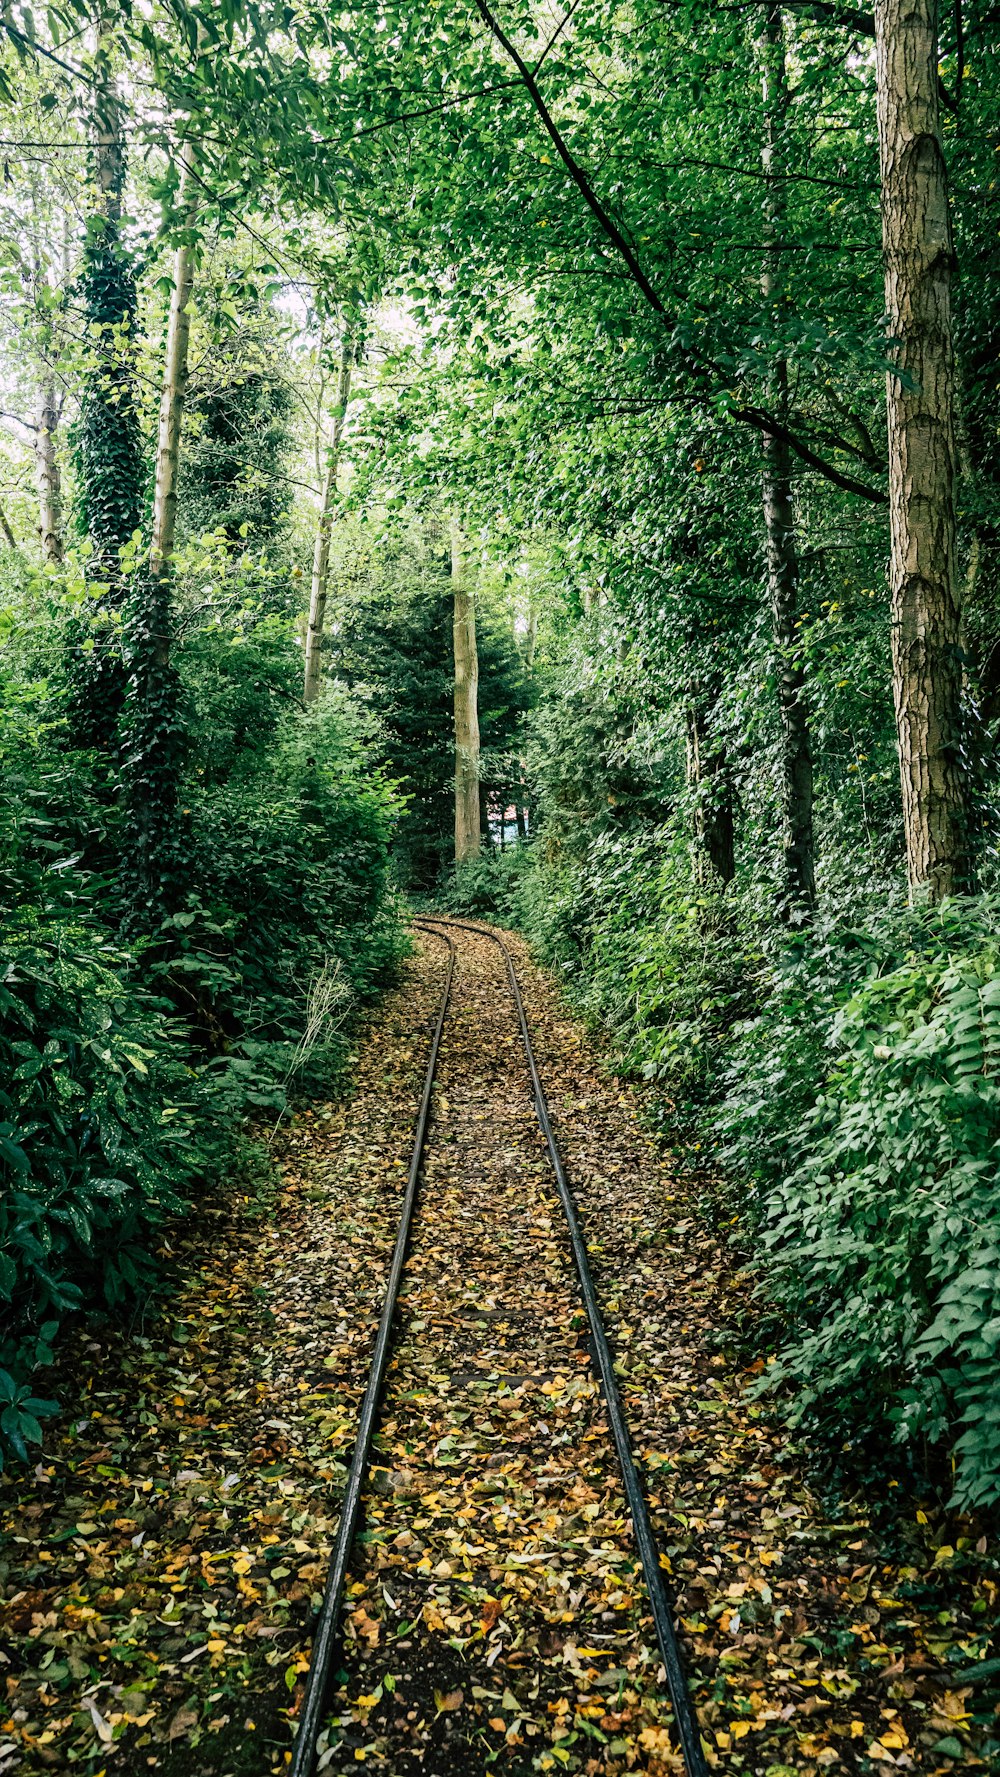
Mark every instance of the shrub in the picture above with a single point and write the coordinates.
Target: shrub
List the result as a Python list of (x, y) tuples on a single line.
[(485, 887), (658, 960), (865, 1100), (95, 1141), (289, 873)]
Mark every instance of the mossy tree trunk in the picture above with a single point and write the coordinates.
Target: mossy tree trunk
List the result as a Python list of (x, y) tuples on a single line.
[(110, 460), (152, 754)]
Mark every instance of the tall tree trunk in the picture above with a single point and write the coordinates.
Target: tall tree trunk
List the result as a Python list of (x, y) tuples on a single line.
[(47, 475), (708, 779), (531, 639), (926, 618), (153, 732), (175, 375), (110, 456), (112, 469), (321, 550), (779, 516), (468, 832)]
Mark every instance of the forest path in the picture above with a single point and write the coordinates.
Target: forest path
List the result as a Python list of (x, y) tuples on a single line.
[(159, 1599)]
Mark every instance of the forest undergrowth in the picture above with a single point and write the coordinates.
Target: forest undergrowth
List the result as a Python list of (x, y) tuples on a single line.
[(546, 462), (164, 1564)]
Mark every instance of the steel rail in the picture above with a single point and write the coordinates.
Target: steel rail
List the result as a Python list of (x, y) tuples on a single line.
[(662, 1606), (325, 1634)]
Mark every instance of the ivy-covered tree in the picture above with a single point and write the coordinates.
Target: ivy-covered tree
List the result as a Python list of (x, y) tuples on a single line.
[(111, 462)]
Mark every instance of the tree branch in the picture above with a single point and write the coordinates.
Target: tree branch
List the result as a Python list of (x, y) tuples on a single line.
[(766, 422), (391, 123), (752, 416), (825, 13), (569, 160)]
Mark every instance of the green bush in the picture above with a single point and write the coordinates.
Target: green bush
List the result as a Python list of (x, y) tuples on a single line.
[(486, 887), (289, 869), (865, 1102), (96, 1148), (657, 960)]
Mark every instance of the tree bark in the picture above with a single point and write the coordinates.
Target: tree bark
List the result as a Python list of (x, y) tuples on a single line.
[(920, 399), (321, 550), (109, 145), (468, 832), (708, 779), (531, 639), (153, 732), (779, 515), (47, 475), (175, 375)]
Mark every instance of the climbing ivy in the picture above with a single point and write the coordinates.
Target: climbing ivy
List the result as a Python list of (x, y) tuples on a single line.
[(111, 478)]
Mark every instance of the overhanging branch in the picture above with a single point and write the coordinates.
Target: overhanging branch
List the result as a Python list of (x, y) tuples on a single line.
[(757, 417)]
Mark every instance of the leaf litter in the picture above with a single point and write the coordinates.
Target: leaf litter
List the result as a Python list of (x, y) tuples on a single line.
[(161, 1572)]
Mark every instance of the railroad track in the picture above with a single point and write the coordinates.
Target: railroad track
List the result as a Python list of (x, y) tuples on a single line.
[(326, 1635)]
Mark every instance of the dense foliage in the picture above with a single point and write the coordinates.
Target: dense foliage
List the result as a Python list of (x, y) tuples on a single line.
[(610, 289)]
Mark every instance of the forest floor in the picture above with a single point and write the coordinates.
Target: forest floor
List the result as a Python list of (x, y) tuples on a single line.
[(163, 1562)]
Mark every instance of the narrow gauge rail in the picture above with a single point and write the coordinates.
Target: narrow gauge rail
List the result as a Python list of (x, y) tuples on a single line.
[(325, 1636)]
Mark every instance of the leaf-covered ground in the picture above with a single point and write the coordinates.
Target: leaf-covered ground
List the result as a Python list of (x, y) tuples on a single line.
[(161, 1566)]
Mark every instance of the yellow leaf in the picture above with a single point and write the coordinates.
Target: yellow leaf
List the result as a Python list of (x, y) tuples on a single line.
[(739, 1729)]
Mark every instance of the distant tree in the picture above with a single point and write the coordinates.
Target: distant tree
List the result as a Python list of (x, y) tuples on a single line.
[(238, 447)]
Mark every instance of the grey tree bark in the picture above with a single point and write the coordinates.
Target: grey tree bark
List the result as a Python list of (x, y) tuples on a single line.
[(47, 476), (918, 253), (779, 513), (321, 549), (175, 376), (468, 830)]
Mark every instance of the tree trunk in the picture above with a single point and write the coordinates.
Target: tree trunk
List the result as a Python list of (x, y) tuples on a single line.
[(321, 550), (920, 399), (468, 832), (708, 779), (531, 639), (109, 141), (153, 733), (47, 475), (110, 451), (175, 374), (779, 517)]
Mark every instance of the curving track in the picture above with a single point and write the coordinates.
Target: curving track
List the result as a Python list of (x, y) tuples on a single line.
[(438, 1289)]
